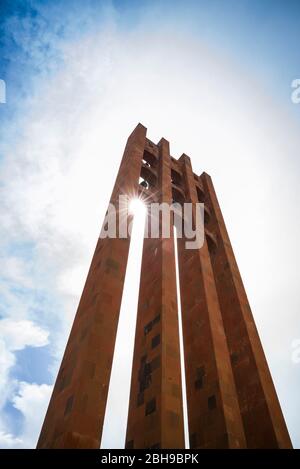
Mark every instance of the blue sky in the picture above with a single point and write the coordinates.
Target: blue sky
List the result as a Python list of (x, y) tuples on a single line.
[(213, 77)]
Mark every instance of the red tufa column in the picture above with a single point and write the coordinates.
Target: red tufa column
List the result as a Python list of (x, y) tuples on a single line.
[(155, 418), (263, 421), (213, 411), (75, 414)]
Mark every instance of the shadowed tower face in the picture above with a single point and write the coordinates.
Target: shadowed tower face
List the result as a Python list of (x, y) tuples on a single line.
[(231, 399)]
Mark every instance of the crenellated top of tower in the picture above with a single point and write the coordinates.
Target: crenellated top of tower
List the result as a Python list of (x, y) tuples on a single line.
[(151, 156)]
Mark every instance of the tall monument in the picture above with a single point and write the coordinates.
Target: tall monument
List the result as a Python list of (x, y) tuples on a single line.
[(231, 399)]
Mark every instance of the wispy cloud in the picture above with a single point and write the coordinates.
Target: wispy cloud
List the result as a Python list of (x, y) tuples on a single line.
[(14, 336), (8, 441), (32, 401)]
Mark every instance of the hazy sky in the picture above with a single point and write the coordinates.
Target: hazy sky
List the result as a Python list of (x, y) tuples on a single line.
[(213, 78)]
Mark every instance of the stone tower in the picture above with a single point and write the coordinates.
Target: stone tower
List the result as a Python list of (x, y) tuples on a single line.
[(231, 399)]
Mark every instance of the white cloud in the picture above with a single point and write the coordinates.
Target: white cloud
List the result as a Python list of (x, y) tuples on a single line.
[(14, 270), (16, 335), (32, 400), (20, 334), (7, 361)]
